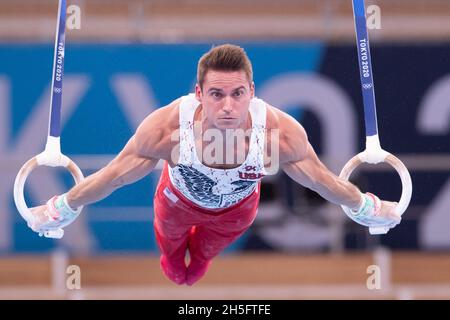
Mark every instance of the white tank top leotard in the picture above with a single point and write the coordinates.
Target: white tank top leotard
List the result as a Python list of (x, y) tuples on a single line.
[(218, 188)]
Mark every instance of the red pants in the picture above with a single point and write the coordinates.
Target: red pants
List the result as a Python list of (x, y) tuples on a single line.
[(181, 225)]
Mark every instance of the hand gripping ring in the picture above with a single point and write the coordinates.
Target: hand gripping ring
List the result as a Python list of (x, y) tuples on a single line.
[(366, 157), (43, 159)]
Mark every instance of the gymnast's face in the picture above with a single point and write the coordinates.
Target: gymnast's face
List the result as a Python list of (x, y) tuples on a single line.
[(225, 98)]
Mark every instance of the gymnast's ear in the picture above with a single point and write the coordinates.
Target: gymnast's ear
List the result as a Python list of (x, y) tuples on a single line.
[(252, 89), (198, 92)]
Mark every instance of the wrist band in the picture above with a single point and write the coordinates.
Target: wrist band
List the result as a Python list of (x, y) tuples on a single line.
[(362, 206), (61, 208)]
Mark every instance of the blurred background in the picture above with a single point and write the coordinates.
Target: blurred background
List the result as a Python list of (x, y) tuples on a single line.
[(125, 59)]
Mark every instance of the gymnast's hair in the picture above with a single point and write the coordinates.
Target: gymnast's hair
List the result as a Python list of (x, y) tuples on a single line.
[(225, 57)]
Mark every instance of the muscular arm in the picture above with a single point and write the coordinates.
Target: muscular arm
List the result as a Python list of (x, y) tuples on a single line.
[(127, 167), (151, 142), (312, 173), (301, 163), (137, 159)]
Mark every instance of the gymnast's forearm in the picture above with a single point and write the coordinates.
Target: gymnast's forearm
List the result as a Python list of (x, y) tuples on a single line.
[(125, 169), (92, 189), (315, 176), (338, 191)]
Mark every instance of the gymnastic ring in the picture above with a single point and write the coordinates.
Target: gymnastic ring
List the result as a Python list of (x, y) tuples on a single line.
[(401, 169), (42, 159)]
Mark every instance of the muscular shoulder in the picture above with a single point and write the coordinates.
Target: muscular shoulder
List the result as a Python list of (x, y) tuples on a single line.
[(154, 136), (292, 137)]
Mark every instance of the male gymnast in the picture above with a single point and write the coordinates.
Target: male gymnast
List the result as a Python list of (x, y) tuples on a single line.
[(209, 189)]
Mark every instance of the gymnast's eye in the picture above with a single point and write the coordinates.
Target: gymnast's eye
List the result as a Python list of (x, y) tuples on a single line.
[(216, 94), (238, 93)]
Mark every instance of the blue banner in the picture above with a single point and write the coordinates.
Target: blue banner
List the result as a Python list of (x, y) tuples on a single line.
[(109, 89)]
